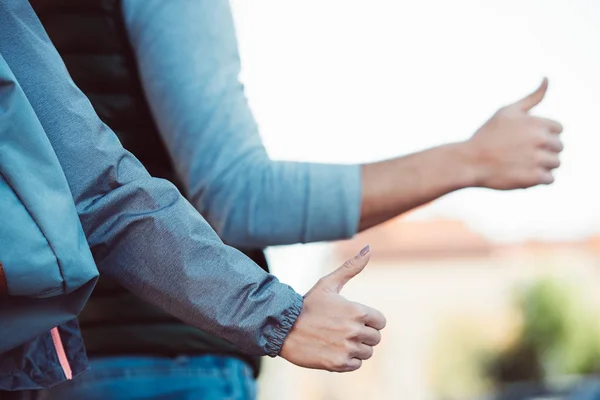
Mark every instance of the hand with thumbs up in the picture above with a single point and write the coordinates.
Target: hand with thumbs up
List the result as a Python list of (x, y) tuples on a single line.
[(333, 333), (515, 149)]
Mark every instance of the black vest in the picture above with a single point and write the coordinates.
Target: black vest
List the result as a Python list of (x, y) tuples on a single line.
[(91, 37)]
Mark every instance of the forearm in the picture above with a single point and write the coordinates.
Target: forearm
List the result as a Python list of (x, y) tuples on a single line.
[(187, 54), (162, 250), (393, 187), (512, 150), (141, 231)]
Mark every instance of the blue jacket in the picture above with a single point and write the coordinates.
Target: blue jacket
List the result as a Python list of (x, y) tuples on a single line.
[(140, 230), (46, 268)]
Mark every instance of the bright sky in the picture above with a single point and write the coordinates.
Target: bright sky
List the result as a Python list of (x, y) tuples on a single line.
[(352, 81)]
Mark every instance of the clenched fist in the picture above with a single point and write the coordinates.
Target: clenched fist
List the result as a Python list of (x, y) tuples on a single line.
[(333, 333), (515, 149)]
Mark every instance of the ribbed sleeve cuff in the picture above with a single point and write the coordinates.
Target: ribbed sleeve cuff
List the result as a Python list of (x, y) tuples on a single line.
[(280, 331)]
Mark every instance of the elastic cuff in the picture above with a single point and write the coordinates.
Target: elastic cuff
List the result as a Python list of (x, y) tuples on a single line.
[(280, 332)]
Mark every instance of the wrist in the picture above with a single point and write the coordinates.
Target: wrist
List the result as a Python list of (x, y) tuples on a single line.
[(466, 165)]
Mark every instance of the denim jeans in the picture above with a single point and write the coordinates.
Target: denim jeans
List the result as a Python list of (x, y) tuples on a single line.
[(153, 378)]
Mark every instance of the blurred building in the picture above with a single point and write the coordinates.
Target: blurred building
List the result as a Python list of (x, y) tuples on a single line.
[(422, 274)]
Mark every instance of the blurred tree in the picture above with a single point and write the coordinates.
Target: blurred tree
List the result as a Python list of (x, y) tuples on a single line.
[(559, 337)]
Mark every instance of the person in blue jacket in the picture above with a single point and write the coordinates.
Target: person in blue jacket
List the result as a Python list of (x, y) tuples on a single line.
[(144, 234)]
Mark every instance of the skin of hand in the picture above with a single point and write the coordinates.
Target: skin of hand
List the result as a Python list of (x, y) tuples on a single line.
[(333, 333), (512, 150), (515, 149)]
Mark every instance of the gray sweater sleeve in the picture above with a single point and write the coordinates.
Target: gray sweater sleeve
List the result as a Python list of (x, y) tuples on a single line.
[(142, 232), (188, 59)]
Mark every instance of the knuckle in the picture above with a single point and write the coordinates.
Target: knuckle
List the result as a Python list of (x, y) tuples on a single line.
[(503, 111), (540, 138), (557, 163), (321, 281), (558, 127), (538, 158), (368, 353), (545, 177), (354, 332), (349, 347), (340, 364), (361, 312), (376, 338), (539, 176)]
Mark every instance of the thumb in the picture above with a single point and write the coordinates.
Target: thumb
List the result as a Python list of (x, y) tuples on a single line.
[(336, 280), (534, 98)]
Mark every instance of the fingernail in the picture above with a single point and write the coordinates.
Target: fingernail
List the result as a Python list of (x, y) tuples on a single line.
[(365, 250)]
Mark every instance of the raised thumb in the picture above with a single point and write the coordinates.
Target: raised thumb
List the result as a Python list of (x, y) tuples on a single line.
[(336, 280), (535, 98)]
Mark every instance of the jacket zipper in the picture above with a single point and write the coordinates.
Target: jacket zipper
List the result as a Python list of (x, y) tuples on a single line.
[(60, 352)]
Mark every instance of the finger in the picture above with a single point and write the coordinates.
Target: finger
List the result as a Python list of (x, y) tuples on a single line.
[(534, 98), (351, 365), (553, 143), (545, 177), (363, 352), (548, 160), (374, 319), (370, 336), (550, 124), (337, 279)]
